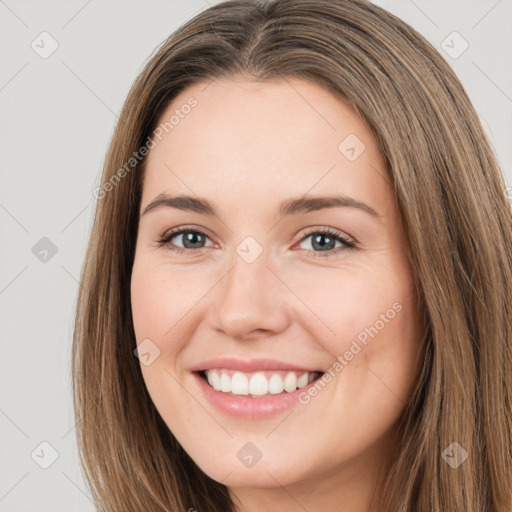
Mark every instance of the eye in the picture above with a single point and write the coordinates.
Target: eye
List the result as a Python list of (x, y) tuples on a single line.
[(192, 240), (323, 241)]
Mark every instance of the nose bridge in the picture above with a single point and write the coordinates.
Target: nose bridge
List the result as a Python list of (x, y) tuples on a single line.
[(248, 275), (248, 268), (249, 298)]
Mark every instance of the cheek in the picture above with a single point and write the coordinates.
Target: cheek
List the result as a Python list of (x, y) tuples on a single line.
[(167, 307), (350, 303), (160, 299), (369, 324), (162, 311)]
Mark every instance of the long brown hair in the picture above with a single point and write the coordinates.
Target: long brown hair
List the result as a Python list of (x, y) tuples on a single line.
[(458, 223)]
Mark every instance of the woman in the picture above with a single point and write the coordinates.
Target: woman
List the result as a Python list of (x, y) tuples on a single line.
[(297, 292)]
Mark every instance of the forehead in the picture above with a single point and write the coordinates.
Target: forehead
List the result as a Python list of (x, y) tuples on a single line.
[(263, 139)]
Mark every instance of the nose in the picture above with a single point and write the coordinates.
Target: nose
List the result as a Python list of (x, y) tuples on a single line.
[(250, 301)]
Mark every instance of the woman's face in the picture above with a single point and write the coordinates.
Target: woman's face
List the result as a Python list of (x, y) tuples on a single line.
[(255, 293)]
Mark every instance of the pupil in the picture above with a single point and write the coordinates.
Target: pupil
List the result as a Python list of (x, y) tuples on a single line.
[(191, 237), (322, 246)]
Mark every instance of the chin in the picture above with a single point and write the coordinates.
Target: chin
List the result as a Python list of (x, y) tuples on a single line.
[(273, 471)]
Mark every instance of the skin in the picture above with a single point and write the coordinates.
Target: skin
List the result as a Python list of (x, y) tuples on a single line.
[(246, 147)]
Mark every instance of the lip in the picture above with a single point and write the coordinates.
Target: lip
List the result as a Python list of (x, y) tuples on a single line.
[(247, 407), (249, 366)]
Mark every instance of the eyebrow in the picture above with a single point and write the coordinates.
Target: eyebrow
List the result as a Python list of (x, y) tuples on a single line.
[(291, 206)]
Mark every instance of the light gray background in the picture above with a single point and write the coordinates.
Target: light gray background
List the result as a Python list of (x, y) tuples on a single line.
[(56, 118)]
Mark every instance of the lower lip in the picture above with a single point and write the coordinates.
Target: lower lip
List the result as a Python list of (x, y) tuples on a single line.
[(242, 406)]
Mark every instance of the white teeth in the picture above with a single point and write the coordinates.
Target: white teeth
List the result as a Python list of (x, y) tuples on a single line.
[(239, 384), (225, 383), (213, 380), (303, 380), (275, 385), (257, 384), (290, 382)]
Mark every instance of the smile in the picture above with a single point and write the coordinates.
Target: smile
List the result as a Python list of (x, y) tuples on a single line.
[(259, 383), (253, 389)]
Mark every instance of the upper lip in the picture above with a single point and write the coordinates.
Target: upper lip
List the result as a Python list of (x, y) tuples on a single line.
[(252, 365)]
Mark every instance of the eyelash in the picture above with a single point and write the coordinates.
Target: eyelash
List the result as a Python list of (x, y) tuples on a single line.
[(348, 244)]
